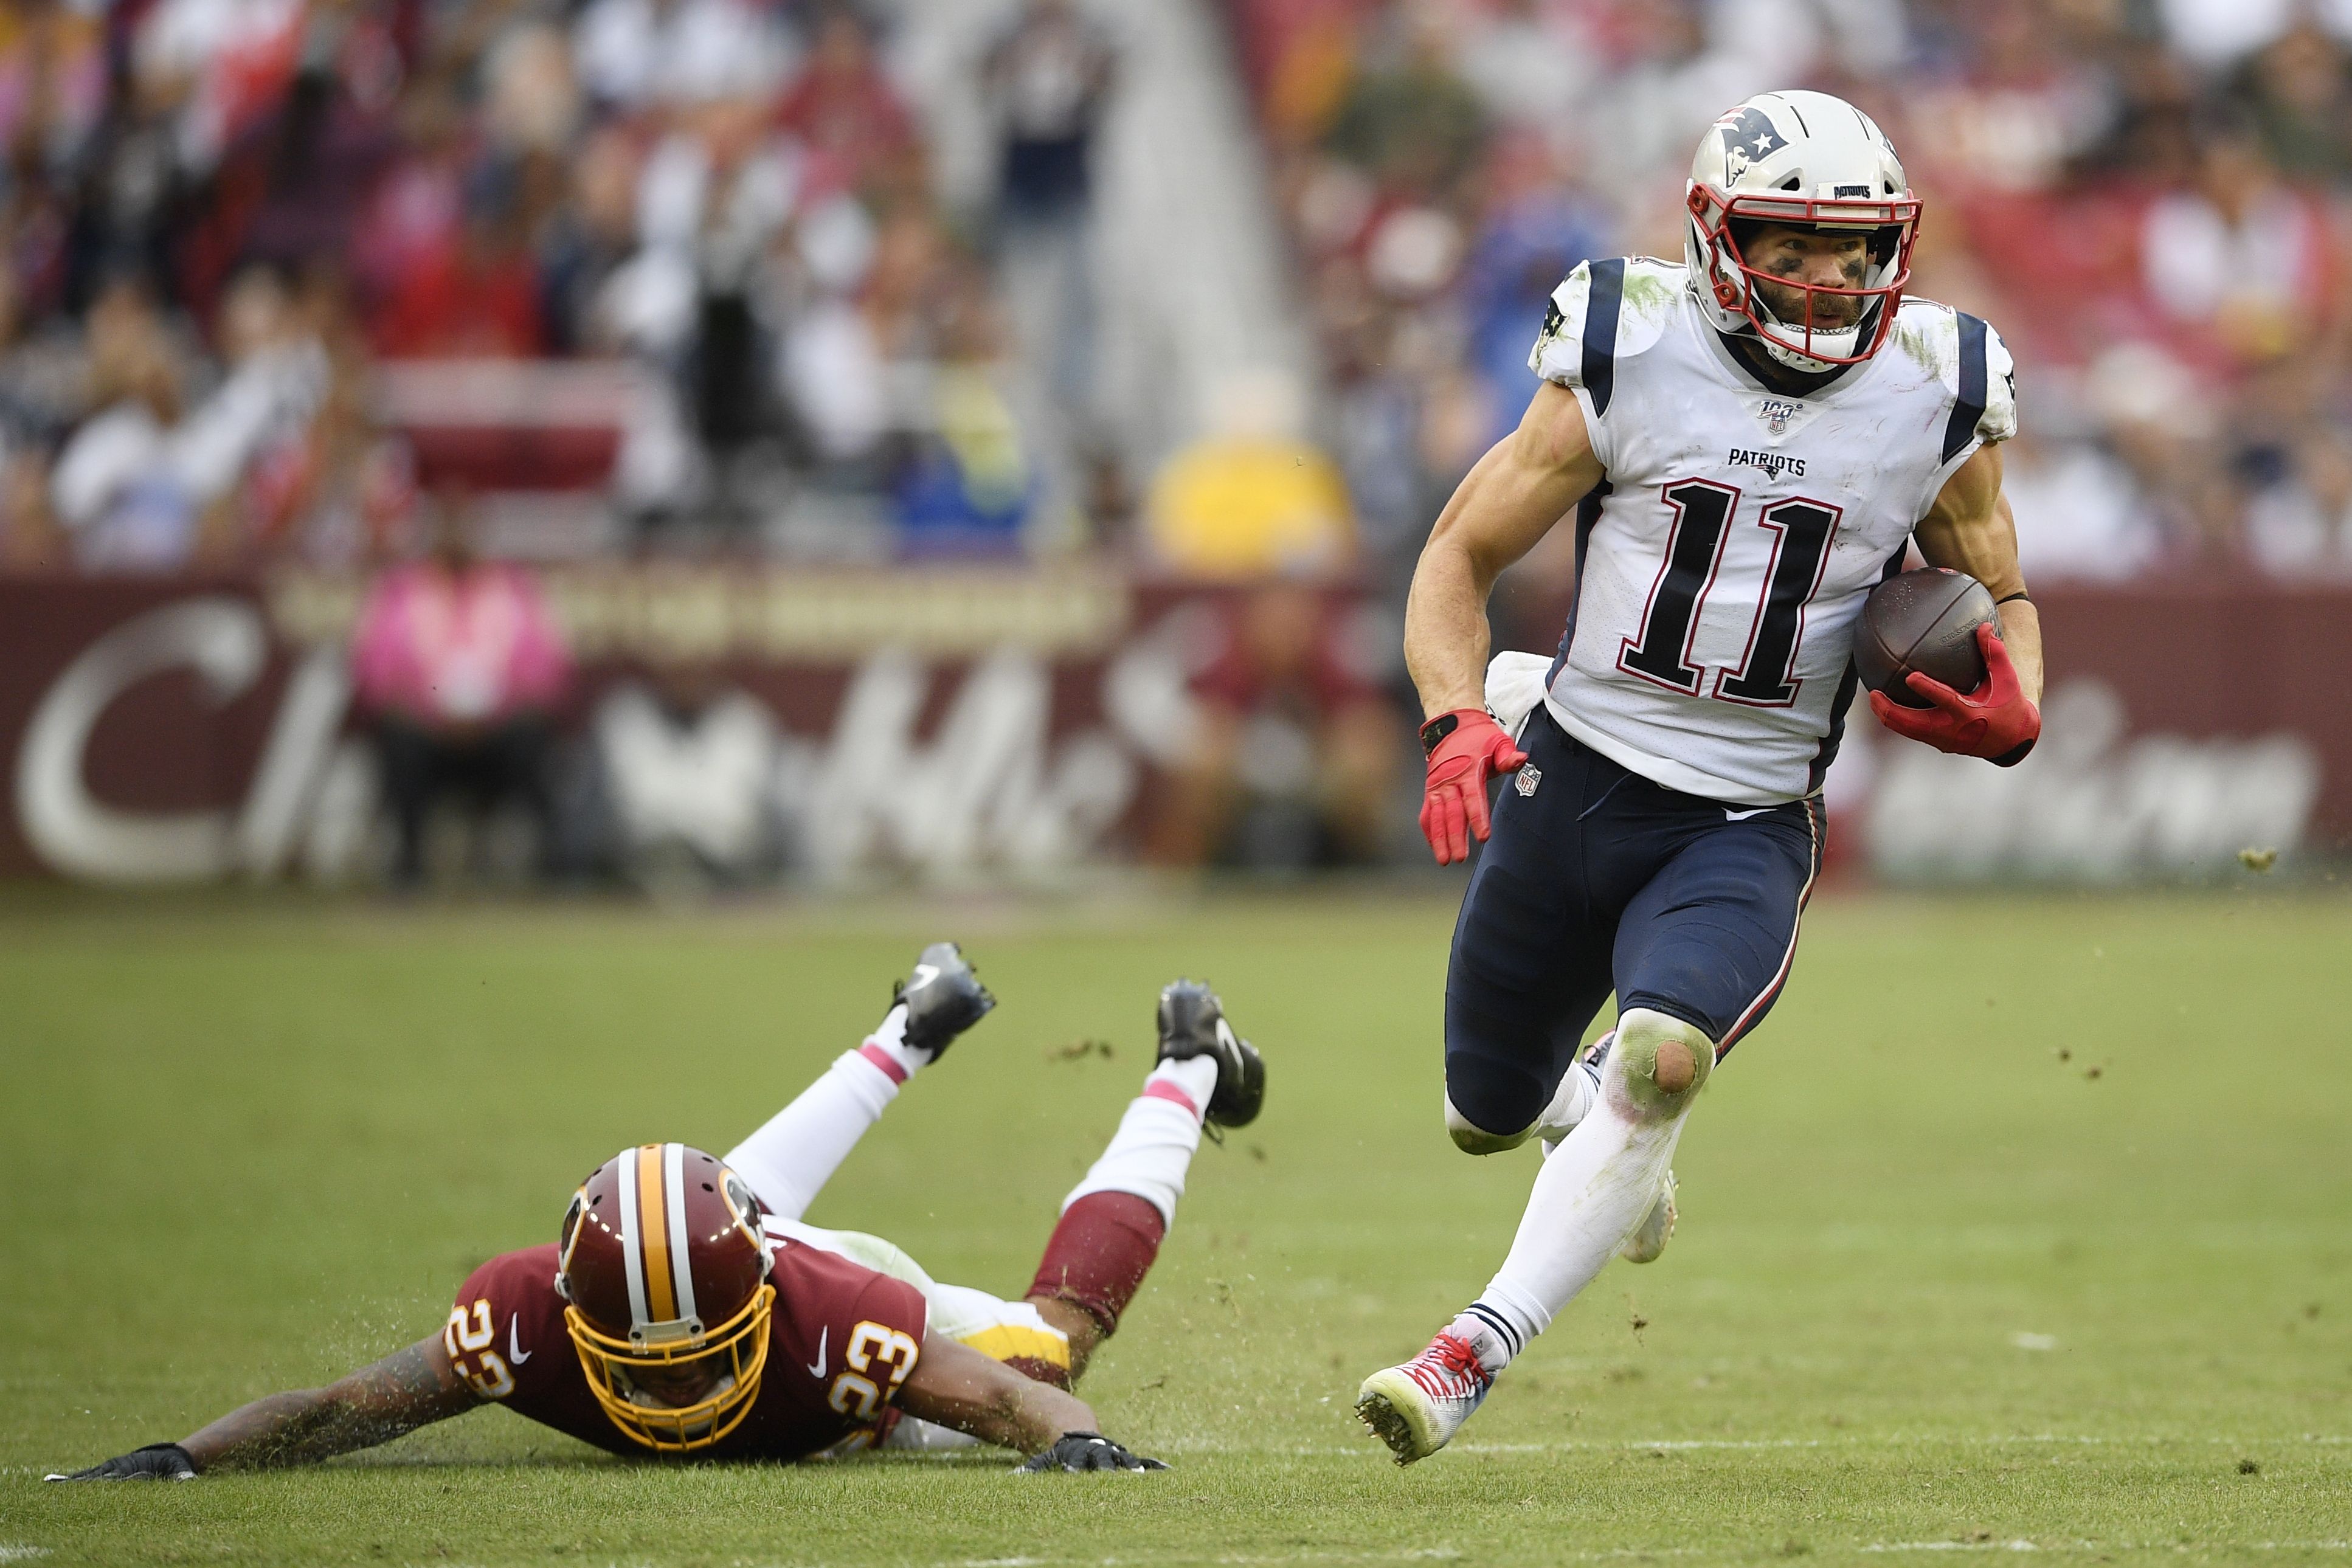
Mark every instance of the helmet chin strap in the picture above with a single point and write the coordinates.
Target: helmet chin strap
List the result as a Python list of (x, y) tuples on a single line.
[(1835, 343)]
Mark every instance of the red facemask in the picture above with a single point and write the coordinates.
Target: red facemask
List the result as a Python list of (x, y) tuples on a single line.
[(1715, 214)]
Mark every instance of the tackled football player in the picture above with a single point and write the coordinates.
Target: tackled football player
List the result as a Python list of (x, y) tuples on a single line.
[(1748, 442), (705, 1319)]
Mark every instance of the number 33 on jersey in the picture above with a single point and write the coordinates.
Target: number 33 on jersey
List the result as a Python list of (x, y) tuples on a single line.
[(1721, 564)]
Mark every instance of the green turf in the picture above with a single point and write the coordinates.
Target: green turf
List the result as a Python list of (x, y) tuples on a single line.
[(2020, 1222)]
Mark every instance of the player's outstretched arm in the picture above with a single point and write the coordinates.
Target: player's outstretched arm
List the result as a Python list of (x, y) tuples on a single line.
[(1514, 496), (407, 1389), (955, 1385)]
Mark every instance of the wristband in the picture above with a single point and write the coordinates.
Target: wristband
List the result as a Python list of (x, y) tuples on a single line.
[(1433, 733)]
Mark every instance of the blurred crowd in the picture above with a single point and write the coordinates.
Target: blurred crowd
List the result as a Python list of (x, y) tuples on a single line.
[(218, 216), (2146, 197), (221, 219), (255, 255)]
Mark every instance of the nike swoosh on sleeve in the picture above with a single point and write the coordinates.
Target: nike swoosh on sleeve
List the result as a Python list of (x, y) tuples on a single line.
[(516, 1354), (816, 1367)]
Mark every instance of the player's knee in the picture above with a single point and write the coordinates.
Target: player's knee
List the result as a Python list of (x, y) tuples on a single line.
[(1665, 1061), (1472, 1139)]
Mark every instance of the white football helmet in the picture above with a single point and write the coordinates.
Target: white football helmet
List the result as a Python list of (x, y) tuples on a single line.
[(1807, 159)]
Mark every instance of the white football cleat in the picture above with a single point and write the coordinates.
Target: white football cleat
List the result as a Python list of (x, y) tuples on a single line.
[(1417, 1407), (1657, 1228)]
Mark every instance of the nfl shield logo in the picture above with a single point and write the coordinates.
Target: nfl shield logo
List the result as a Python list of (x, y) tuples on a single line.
[(1529, 776)]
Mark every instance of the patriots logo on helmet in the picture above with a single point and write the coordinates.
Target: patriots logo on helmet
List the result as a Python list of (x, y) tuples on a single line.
[(1749, 137)]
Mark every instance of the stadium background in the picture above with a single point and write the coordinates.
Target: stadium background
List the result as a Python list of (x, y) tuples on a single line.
[(1040, 407)]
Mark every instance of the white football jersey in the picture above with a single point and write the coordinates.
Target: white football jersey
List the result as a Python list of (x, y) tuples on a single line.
[(1721, 565)]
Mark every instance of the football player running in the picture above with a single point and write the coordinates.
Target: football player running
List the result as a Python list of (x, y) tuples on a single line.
[(1748, 441), (704, 1319)]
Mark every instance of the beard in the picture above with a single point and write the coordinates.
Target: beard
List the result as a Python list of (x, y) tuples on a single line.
[(1830, 312)]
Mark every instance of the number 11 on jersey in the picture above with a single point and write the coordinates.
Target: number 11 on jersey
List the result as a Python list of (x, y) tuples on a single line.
[(1801, 531)]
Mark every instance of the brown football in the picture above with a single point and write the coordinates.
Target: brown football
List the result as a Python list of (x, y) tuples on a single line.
[(1925, 620)]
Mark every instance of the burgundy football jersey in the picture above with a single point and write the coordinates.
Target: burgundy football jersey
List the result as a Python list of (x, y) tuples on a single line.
[(840, 1342)]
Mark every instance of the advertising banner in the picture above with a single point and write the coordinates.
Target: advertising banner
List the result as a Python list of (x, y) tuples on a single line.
[(945, 722), (2188, 730), (972, 723)]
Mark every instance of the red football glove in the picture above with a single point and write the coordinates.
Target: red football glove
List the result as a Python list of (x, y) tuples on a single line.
[(1453, 804), (1994, 721)]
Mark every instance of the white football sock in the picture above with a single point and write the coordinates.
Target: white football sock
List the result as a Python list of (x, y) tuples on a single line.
[(889, 1038), (1579, 1088), (789, 1159), (1487, 1336), (1594, 1187), (1153, 1148)]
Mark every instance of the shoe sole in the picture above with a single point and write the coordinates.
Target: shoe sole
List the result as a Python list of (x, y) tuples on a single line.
[(1249, 1083), (1394, 1424)]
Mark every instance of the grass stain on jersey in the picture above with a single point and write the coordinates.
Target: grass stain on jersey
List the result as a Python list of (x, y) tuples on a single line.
[(1652, 292), (1932, 349)]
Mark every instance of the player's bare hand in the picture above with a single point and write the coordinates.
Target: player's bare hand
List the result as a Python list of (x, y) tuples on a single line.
[(1463, 755), (1996, 721), (155, 1462), (1076, 1451)]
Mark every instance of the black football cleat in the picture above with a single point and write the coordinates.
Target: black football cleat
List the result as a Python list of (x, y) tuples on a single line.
[(944, 998), (1192, 1023)]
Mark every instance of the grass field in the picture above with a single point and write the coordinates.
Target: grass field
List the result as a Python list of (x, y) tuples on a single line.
[(2022, 1224)]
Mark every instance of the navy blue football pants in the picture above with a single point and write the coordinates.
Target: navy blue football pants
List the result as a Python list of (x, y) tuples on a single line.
[(1596, 880)]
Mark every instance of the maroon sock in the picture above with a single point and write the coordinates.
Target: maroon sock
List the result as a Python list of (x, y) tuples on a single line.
[(1099, 1255)]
